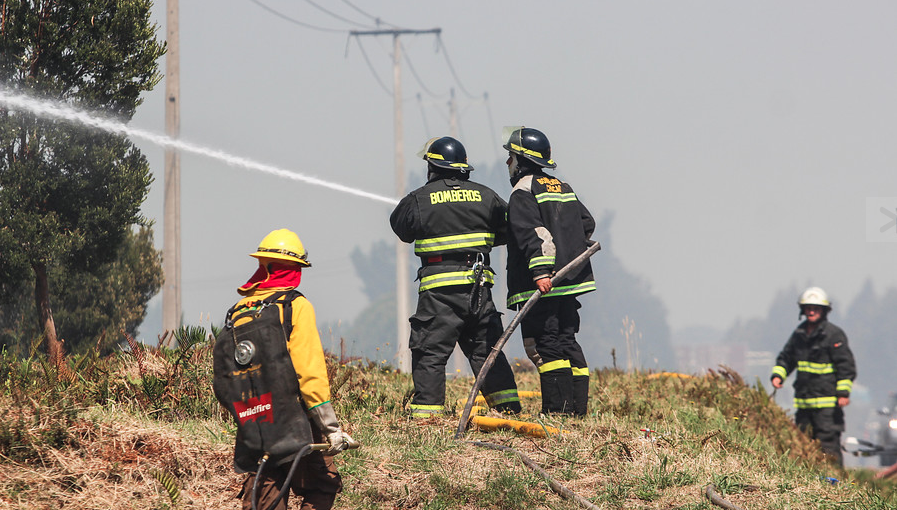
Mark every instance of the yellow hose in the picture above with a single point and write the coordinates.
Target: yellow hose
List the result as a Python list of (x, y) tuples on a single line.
[(490, 424), (526, 428), (669, 374)]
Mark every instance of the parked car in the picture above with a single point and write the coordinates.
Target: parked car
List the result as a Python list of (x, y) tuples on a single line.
[(888, 438)]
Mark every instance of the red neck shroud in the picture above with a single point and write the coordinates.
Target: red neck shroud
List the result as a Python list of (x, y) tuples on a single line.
[(279, 275)]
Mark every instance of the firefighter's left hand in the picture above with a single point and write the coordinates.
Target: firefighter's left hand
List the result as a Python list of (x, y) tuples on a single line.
[(544, 284), (843, 401), (339, 441)]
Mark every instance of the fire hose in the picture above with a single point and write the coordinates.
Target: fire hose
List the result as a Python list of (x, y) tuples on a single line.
[(286, 484), (554, 484), (487, 365), (715, 498), (490, 360)]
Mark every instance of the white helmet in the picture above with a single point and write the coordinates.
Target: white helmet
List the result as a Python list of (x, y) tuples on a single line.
[(814, 296)]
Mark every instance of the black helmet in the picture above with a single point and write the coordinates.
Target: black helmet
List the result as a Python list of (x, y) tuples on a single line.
[(445, 152), (531, 144)]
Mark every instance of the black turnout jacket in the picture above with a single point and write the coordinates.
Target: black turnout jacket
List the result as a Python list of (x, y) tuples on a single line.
[(549, 227), (824, 363)]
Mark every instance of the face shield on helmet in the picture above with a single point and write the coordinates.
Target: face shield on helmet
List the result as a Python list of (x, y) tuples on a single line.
[(445, 152), (529, 143)]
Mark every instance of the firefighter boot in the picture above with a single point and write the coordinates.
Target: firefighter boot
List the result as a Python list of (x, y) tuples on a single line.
[(580, 395), (557, 391)]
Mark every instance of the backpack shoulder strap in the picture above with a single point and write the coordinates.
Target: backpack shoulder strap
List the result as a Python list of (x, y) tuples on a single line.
[(286, 299)]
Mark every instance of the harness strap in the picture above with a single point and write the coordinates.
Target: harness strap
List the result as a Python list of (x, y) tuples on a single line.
[(284, 298)]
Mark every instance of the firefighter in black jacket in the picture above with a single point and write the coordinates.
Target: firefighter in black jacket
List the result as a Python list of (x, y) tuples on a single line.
[(825, 372), (549, 227), (454, 223)]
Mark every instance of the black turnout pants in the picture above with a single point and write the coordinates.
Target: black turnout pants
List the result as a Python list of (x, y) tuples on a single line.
[(549, 337), (443, 318), (825, 425)]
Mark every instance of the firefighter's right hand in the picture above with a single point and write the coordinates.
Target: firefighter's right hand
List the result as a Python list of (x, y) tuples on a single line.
[(777, 382), (544, 284), (339, 441), (325, 419)]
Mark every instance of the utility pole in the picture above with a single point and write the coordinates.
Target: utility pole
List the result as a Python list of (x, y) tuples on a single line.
[(403, 329), (171, 242), (457, 354)]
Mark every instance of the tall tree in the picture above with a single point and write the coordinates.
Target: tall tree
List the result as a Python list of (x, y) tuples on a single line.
[(92, 309), (68, 194)]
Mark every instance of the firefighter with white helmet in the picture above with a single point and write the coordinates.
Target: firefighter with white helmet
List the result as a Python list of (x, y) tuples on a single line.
[(270, 373), (453, 223), (818, 350)]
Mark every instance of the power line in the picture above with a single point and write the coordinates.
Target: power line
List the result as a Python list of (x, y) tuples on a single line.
[(371, 67), (423, 115), (452, 68), (491, 123), (376, 19), (337, 16), (416, 77), (295, 21)]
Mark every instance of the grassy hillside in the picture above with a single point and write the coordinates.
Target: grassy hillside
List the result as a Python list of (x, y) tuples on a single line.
[(142, 430)]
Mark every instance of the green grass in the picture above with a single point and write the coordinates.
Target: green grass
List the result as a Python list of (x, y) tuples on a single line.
[(142, 430)]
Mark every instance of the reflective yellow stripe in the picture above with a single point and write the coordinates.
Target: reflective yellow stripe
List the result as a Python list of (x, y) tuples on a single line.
[(566, 290), (448, 243), (554, 365), (425, 411), (502, 397), (541, 261), (844, 385), (815, 368), (780, 371), (556, 197), (580, 371), (452, 278), (433, 155), (815, 403), (525, 150)]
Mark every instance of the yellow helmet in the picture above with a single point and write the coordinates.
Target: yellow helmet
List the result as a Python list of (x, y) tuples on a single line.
[(282, 244)]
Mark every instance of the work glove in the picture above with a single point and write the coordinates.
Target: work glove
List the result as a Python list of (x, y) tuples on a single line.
[(339, 441), (325, 419)]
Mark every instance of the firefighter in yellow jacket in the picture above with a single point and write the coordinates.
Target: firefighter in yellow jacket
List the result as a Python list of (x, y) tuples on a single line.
[(270, 340)]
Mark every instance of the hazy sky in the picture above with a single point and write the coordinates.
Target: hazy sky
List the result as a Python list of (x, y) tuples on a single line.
[(737, 142)]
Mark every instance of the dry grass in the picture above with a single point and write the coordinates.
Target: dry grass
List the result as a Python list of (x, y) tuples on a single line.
[(128, 452), (109, 462)]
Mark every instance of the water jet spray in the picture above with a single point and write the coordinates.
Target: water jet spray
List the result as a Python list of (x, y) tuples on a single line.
[(53, 110)]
